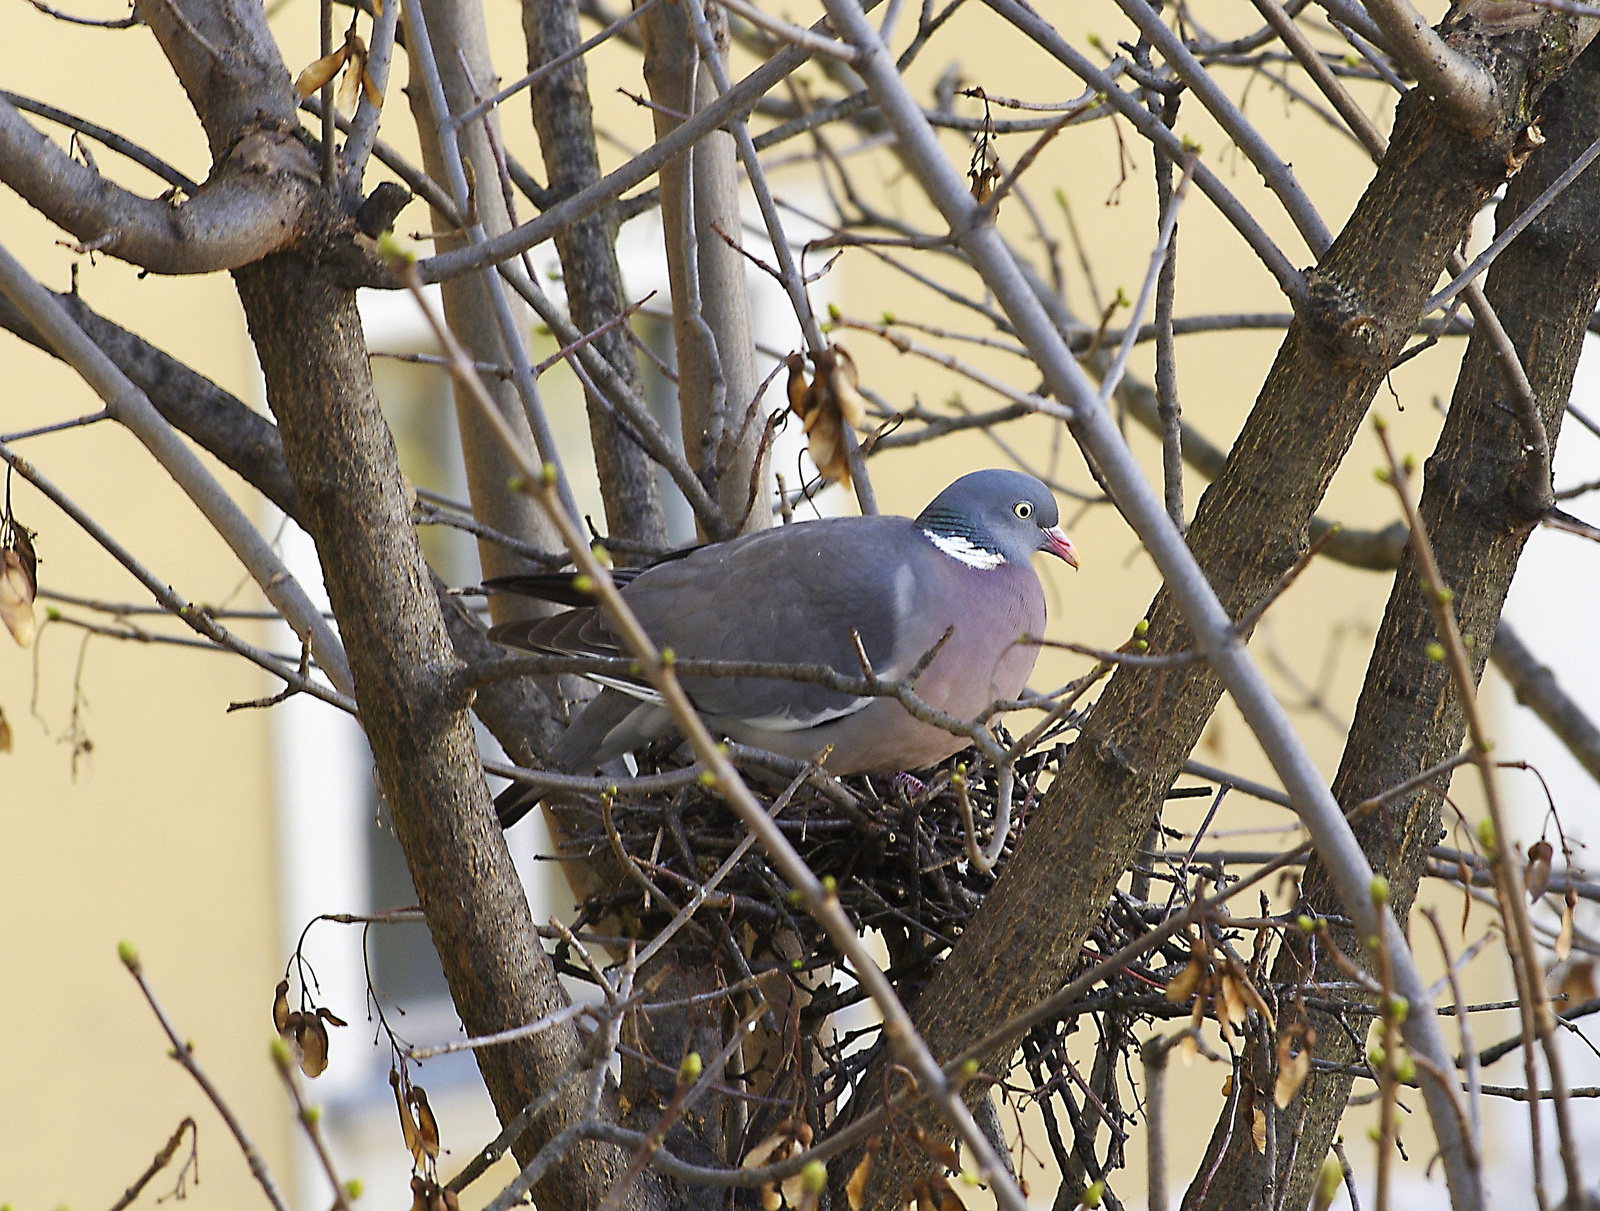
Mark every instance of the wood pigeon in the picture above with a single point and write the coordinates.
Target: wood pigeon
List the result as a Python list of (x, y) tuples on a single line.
[(792, 595)]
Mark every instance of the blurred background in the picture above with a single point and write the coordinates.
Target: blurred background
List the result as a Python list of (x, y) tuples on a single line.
[(134, 805)]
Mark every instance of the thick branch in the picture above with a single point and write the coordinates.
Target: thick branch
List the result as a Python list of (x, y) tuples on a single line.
[(1462, 86), (717, 377), (564, 119), (251, 206), (1364, 298), (1536, 687), (1477, 505), (342, 458)]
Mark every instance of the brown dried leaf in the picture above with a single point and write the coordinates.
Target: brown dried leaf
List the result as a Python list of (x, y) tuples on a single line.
[(855, 1190), (318, 73), (280, 1007), (1578, 982), (844, 383), (825, 405), (1235, 1006), (1253, 999), (1182, 986), (312, 1036), (1188, 1048), (1258, 1131), (427, 1125), (1564, 938), (408, 1125), (797, 386), (349, 87), (374, 94), (1536, 876), (1294, 1064), (762, 1153), (18, 584)]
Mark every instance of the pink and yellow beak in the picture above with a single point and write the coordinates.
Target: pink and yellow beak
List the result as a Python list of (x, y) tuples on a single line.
[(1059, 545)]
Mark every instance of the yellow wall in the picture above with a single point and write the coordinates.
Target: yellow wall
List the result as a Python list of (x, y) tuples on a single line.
[(165, 836)]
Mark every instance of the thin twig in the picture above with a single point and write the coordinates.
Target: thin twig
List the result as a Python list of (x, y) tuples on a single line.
[(183, 1052)]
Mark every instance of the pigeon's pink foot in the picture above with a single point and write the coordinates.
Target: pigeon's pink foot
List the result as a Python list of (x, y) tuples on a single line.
[(909, 784)]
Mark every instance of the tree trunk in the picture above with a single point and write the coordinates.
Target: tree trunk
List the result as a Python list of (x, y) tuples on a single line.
[(1479, 506), (564, 120), (1365, 297), (716, 350), (467, 307), (342, 459)]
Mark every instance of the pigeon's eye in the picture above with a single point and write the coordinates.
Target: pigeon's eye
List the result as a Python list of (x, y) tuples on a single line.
[(1022, 509)]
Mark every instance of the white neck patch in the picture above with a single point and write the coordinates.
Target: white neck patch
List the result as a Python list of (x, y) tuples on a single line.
[(967, 552)]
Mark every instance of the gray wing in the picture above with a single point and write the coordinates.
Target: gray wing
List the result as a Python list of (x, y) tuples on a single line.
[(790, 595)]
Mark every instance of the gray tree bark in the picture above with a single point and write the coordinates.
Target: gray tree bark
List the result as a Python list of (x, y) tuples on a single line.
[(564, 120), (716, 350), (1480, 501), (467, 307), (1249, 528)]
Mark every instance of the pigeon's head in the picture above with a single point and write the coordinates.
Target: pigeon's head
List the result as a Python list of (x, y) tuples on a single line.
[(988, 517)]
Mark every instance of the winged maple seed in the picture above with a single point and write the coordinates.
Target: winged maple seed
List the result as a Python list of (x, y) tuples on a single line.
[(427, 1195), (1537, 876), (792, 1135), (1294, 1062), (825, 405), (419, 1129), (5, 733), (855, 1190), (19, 579), (306, 1029), (357, 78)]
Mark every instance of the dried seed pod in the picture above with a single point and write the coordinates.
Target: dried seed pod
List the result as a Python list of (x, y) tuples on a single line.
[(1258, 1130), (1578, 982), (408, 1124), (427, 1125), (1234, 1008), (319, 72), (1536, 876), (1294, 1062), (855, 1190), (1183, 985), (825, 406), (19, 580), (280, 1007), (312, 1037)]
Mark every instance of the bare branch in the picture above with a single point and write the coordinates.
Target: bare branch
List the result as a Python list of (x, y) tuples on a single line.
[(132, 408), (740, 99), (183, 1052), (251, 206), (1094, 430), (1536, 687), (1467, 91)]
